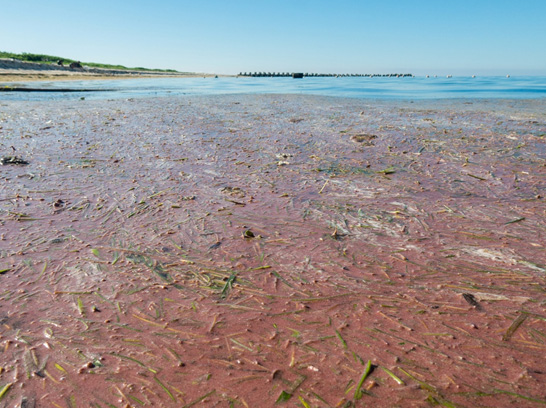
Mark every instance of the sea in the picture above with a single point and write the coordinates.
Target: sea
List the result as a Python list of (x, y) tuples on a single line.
[(402, 88)]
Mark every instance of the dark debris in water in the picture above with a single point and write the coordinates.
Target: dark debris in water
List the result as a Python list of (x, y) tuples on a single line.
[(248, 234), (16, 160), (364, 138), (471, 299)]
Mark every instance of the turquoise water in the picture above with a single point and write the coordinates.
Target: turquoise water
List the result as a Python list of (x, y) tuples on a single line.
[(356, 87)]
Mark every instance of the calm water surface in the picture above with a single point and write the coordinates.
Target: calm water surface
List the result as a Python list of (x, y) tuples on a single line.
[(357, 87)]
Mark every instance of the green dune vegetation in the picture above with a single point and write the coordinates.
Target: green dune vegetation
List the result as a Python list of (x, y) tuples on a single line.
[(51, 59)]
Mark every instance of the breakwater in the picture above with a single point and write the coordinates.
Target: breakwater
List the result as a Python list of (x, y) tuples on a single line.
[(305, 74)]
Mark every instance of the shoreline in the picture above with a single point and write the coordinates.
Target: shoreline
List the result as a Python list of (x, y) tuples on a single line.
[(22, 71), (250, 248), (9, 77)]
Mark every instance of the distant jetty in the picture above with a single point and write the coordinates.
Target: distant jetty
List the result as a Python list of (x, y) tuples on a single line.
[(302, 74)]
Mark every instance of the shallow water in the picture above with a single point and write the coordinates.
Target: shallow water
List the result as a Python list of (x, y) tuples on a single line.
[(354, 87), (128, 280)]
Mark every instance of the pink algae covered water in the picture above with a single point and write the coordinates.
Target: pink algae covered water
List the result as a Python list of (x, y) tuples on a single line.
[(259, 251)]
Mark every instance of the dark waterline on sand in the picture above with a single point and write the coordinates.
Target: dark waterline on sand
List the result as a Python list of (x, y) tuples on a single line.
[(418, 88)]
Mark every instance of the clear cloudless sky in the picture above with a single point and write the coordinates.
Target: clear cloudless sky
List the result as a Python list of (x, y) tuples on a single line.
[(459, 37)]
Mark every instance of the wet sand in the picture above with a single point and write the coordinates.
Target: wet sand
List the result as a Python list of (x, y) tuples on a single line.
[(30, 76), (242, 250)]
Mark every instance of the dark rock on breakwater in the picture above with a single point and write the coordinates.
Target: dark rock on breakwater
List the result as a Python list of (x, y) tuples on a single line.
[(301, 75)]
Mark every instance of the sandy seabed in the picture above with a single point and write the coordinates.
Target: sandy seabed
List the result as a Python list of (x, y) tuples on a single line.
[(259, 251)]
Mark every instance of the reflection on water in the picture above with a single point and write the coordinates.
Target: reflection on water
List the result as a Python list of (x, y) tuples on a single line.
[(374, 88)]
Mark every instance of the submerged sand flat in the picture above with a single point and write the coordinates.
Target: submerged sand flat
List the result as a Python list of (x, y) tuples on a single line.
[(246, 250)]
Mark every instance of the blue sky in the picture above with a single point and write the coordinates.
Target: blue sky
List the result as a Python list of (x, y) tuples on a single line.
[(459, 37)]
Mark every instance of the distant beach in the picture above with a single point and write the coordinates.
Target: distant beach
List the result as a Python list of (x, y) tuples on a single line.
[(20, 71), (256, 249)]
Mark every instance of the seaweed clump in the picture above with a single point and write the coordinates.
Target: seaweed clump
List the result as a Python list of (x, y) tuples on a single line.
[(16, 160)]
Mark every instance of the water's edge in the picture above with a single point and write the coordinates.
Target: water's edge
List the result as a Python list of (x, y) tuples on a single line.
[(353, 87)]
